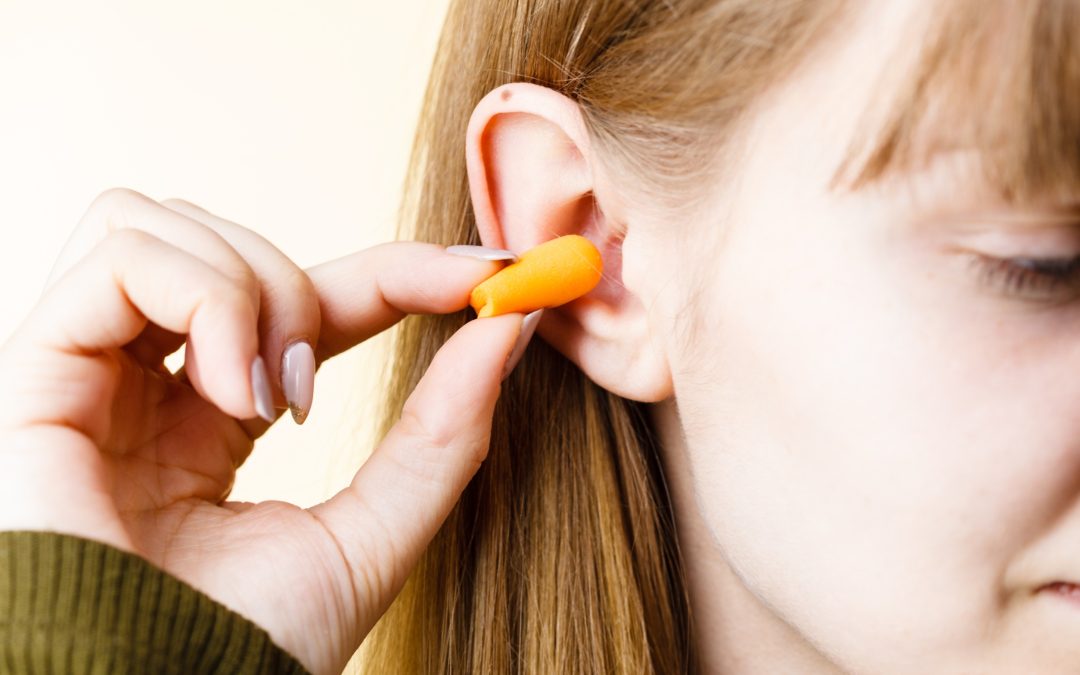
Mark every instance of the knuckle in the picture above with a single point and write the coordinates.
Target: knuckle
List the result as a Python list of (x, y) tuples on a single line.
[(177, 202), (242, 278), (125, 241), (222, 300), (416, 462), (232, 296), (251, 288), (116, 194), (108, 210), (419, 430), (295, 282), (296, 304), (434, 456), (114, 198), (245, 276), (422, 454)]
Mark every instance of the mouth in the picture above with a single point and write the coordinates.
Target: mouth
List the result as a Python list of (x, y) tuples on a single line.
[(1065, 589)]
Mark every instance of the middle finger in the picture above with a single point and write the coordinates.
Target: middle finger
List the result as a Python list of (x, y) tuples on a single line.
[(289, 314)]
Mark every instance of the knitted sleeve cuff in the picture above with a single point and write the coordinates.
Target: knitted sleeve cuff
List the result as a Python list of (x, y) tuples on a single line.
[(69, 604)]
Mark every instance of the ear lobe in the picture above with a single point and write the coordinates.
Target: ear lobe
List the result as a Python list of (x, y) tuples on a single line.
[(533, 177)]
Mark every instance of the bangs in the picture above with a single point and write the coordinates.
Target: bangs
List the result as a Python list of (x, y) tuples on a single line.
[(1000, 78)]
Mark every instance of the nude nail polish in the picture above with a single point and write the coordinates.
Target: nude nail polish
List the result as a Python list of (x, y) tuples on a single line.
[(298, 378), (260, 389), (528, 327)]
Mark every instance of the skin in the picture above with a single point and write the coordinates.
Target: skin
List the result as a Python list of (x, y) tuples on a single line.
[(871, 448), (99, 440)]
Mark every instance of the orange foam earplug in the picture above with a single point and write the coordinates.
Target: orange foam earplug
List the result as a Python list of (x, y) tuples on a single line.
[(547, 275)]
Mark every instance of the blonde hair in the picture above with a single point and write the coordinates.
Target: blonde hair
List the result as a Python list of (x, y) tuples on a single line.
[(561, 556)]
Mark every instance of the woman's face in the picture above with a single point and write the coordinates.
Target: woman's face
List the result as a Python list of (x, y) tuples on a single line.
[(884, 443)]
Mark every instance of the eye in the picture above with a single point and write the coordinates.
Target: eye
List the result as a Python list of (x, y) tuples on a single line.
[(1030, 278)]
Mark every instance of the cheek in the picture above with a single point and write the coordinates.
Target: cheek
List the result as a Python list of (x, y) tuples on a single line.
[(867, 460)]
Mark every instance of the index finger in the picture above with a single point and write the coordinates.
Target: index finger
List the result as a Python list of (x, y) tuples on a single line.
[(366, 292)]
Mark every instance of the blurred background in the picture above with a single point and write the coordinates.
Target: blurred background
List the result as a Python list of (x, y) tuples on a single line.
[(294, 120)]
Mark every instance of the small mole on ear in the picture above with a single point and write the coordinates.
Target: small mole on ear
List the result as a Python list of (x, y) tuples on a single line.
[(506, 94)]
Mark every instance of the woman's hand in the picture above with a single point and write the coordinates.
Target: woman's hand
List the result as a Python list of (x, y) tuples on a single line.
[(100, 440)]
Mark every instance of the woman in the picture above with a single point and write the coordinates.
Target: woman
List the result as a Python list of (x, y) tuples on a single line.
[(817, 418)]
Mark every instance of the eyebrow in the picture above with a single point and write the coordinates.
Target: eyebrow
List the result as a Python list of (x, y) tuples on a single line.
[(1005, 79)]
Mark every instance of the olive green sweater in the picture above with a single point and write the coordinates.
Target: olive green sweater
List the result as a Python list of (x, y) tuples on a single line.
[(74, 605)]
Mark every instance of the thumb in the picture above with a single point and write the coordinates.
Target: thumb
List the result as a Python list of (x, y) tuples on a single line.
[(400, 497)]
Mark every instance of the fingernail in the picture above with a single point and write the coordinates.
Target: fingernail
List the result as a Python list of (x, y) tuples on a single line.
[(482, 252), (260, 388), (528, 327), (298, 378)]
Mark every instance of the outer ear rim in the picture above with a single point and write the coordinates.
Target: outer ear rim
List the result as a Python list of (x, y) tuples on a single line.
[(515, 97)]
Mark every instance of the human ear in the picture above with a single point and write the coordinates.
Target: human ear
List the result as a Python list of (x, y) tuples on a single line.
[(533, 177)]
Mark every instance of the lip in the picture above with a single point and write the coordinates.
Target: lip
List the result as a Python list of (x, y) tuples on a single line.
[(1067, 590)]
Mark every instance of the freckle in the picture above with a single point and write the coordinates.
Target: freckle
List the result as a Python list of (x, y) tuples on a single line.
[(506, 95)]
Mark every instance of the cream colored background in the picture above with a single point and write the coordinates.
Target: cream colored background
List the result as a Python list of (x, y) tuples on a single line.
[(293, 119)]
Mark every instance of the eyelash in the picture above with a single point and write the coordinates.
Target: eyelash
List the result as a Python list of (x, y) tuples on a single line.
[(1025, 276)]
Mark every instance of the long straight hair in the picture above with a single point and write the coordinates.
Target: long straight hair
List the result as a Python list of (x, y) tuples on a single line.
[(562, 555)]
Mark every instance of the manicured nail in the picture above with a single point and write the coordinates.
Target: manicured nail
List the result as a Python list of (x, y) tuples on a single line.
[(528, 327), (482, 252), (298, 378), (260, 388)]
